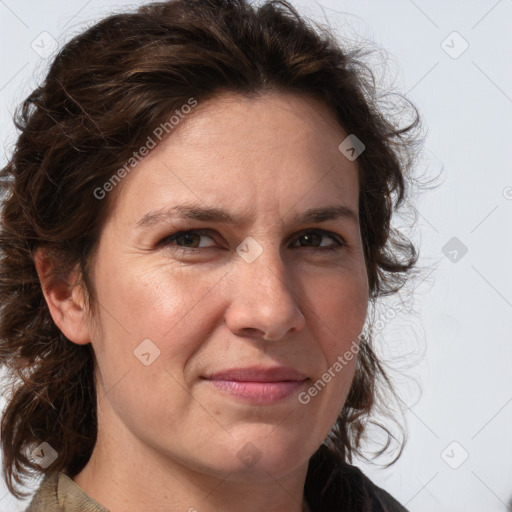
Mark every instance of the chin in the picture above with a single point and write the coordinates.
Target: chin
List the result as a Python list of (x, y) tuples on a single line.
[(261, 458)]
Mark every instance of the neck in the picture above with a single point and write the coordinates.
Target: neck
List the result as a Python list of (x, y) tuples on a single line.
[(123, 475)]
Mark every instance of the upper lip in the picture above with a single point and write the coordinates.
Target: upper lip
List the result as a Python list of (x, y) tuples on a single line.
[(258, 374)]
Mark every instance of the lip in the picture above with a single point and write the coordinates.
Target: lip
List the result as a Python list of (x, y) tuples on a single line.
[(259, 374), (258, 385)]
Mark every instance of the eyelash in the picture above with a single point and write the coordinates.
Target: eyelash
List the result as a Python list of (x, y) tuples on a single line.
[(171, 238)]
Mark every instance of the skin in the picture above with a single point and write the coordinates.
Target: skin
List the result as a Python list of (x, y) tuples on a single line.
[(167, 439)]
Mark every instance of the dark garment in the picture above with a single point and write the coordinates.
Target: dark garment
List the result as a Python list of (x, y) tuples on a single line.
[(379, 500), (59, 493)]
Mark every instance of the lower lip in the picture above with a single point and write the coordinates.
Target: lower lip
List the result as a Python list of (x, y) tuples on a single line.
[(258, 392)]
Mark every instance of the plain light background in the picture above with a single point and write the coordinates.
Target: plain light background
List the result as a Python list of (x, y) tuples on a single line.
[(452, 352)]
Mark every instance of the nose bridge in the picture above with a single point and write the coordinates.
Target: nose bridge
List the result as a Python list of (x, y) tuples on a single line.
[(263, 297), (262, 263)]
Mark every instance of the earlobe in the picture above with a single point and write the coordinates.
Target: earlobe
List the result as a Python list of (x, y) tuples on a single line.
[(64, 297)]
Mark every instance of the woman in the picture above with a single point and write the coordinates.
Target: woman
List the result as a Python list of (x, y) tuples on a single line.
[(197, 218)]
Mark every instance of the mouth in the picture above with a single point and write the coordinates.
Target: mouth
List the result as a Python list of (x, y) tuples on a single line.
[(258, 385)]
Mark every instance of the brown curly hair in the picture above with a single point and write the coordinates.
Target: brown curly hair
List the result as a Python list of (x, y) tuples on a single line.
[(105, 91)]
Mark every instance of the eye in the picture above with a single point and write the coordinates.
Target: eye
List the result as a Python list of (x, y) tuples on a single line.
[(315, 235), (187, 241), (183, 239)]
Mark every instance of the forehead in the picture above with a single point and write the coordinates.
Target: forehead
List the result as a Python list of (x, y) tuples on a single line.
[(272, 126), (273, 149)]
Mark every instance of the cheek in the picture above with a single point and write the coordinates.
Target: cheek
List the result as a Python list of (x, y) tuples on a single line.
[(153, 301), (141, 304), (340, 301), (152, 324)]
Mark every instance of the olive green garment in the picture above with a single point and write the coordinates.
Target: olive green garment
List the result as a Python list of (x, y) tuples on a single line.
[(59, 493)]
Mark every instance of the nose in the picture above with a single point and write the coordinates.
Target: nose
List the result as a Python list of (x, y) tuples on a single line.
[(265, 300)]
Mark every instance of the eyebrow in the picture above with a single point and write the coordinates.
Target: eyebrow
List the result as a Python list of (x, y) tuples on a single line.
[(212, 214)]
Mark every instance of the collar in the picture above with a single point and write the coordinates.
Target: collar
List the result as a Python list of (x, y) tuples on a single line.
[(72, 498)]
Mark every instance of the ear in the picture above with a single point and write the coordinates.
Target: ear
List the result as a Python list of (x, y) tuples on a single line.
[(64, 297)]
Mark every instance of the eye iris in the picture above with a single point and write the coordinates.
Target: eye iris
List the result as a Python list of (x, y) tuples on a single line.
[(310, 237), (189, 237)]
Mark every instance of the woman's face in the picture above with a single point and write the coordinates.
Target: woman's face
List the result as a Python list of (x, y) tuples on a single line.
[(263, 290)]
